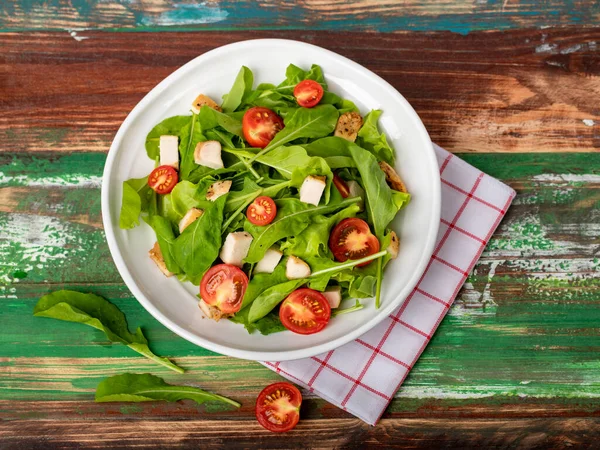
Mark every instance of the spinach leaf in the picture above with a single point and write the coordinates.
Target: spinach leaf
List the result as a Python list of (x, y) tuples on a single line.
[(262, 281), (371, 139), (242, 86), (166, 239), (267, 325), (184, 196), (198, 246), (294, 75), (189, 136), (136, 197), (95, 311), (133, 387), (171, 126), (380, 204), (224, 137), (210, 118), (292, 218), (306, 123), (270, 298), (251, 190)]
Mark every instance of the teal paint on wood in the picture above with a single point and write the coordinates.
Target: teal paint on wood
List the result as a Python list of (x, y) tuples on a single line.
[(370, 15)]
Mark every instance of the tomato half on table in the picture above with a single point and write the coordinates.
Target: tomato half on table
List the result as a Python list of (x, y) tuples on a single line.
[(341, 185), (305, 311), (308, 93), (262, 211), (260, 125), (223, 286), (163, 179), (352, 239), (278, 407)]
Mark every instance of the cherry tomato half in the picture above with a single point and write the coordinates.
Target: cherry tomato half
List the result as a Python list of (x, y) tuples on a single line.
[(308, 93), (163, 179), (224, 286), (260, 125), (341, 185), (305, 311), (352, 239), (278, 407), (261, 211)]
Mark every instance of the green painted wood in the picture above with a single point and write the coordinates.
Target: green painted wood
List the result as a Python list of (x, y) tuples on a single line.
[(370, 15)]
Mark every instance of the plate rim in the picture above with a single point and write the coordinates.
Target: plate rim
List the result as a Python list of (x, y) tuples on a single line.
[(279, 355)]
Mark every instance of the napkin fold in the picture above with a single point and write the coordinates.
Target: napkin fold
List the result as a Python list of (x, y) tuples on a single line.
[(362, 376)]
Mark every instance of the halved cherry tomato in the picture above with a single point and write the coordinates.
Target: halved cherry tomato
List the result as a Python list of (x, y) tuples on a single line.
[(352, 239), (261, 211), (308, 93), (305, 311), (224, 286), (163, 179), (278, 407), (260, 125), (341, 185)]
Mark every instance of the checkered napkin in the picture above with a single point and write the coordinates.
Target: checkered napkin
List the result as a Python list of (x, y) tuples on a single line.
[(362, 376)]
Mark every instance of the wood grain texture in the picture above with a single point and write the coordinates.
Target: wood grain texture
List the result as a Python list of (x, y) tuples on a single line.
[(525, 91), (354, 15)]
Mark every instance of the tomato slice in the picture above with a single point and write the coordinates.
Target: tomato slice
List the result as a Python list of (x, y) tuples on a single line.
[(224, 286), (278, 407), (305, 311), (261, 211), (260, 125), (352, 239), (341, 185), (308, 93), (163, 179)]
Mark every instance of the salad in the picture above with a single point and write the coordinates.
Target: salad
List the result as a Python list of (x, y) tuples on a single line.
[(277, 203)]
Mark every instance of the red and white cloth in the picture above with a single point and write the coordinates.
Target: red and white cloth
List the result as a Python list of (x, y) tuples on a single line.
[(362, 376)]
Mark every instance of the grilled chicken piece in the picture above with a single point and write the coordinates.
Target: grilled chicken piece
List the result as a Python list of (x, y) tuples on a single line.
[(157, 257), (204, 100), (392, 177), (348, 125)]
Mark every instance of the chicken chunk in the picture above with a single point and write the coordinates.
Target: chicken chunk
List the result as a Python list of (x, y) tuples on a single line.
[(157, 257), (394, 247), (212, 312), (217, 189), (208, 153), (312, 189), (348, 125), (189, 218), (204, 100), (295, 268), (236, 248), (392, 177)]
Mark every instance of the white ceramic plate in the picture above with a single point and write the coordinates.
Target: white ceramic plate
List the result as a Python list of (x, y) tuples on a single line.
[(174, 303)]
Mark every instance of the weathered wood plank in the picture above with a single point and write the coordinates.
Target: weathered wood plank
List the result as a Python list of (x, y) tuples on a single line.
[(363, 15), (519, 91)]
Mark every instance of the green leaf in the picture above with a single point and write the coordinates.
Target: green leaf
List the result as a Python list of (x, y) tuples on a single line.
[(132, 387), (370, 138), (267, 325), (292, 218), (198, 246), (189, 136), (314, 122), (262, 281), (171, 126), (270, 298), (136, 197), (295, 75), (314, 166), (96, 312), (184, 196), (166, 240), (210, 118), (242, 86), (249, 191)]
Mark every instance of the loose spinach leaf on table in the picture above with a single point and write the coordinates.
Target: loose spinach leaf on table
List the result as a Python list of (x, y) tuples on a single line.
[(293, 216), (133, 387), (171, 126), (198, 246), (371, 139), (242, 87), (136, 198), (96, 312)]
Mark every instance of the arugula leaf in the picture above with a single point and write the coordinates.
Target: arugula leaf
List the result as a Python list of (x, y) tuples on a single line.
[(171, 126), (242, 86), (165, 238), (210, 118), (292, 218), (133, 387), (270, 298), (305, 123), (198, 246), (371, 139), (295, 75), (96, 312), (136, 197), (249, 191)]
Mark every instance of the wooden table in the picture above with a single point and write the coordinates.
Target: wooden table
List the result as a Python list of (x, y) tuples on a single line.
[(512, 87)]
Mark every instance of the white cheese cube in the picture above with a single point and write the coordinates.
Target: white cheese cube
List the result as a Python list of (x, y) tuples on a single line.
[(295, 268), (268, 263), (312, 189), (208, 153), (189, 218), (217, 189), (169, 151), (355, 190), (333, 296), (236, 248)]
